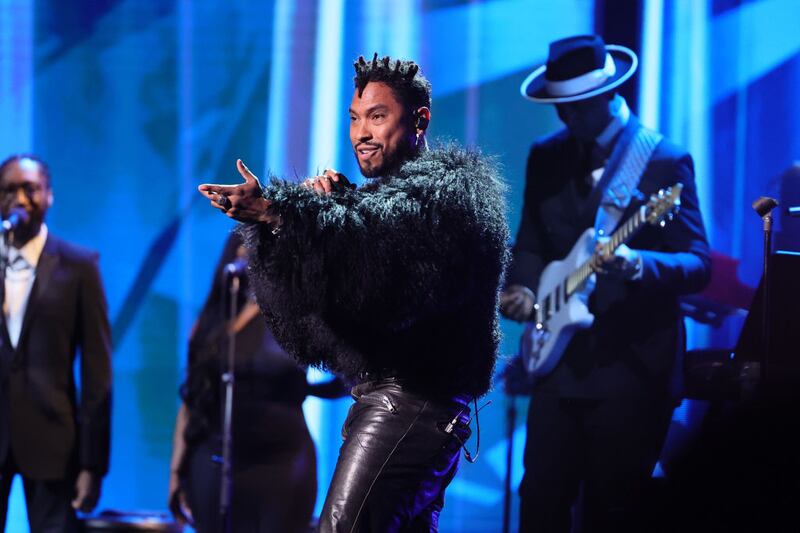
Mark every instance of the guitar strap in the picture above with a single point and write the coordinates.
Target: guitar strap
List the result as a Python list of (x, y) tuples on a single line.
[(622, 175)]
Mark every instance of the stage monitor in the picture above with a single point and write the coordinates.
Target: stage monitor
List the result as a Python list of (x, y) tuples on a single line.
[(783, 363)]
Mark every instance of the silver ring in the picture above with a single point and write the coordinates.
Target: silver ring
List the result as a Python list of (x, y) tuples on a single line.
[(224, 202)]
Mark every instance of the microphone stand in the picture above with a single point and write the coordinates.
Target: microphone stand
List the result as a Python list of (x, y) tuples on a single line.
[(511, 421), (8, 239), (764, 206), (233, 282)]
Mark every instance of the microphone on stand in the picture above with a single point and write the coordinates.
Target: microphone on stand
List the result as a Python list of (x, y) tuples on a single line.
[(15, 218), (233, 272), (236, 268), (764, 206)]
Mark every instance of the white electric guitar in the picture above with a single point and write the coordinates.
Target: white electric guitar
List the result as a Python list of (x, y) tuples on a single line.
[(565, 286)]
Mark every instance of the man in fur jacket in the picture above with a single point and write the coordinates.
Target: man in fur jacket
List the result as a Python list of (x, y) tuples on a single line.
[(393, 284)]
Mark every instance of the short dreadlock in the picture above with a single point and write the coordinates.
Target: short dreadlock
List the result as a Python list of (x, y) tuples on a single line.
[(408, 84)]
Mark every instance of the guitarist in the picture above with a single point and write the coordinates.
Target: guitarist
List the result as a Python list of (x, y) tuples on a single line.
[(598, 420)]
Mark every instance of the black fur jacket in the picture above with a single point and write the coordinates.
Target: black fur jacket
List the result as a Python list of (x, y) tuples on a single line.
[(400, 276)]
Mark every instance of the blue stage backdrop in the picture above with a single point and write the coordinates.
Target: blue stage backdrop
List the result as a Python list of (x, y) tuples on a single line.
[(135, 103)]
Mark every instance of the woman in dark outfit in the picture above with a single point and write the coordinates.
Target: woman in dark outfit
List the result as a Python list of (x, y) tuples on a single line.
[(274, 462)]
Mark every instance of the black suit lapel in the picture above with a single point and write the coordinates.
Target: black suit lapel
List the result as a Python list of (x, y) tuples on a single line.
[(578, 200), (44, 272), (5, 338)]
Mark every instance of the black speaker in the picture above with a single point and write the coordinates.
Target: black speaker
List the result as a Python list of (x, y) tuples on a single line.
[(782, 364), (787, 227)]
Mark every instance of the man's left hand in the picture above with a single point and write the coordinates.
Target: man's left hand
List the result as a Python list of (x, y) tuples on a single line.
[(87, 491), (624, 264)]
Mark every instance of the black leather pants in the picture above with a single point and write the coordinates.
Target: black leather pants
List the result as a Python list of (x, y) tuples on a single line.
[(400, 452)]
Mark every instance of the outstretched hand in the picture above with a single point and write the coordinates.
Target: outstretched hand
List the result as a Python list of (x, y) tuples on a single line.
[(243, 202)]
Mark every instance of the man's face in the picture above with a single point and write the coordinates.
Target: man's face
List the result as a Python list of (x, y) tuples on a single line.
[(380, 130), (586, 119), (24, 186)]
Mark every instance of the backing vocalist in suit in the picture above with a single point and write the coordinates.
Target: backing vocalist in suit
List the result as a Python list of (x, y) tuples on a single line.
[(53, 307)]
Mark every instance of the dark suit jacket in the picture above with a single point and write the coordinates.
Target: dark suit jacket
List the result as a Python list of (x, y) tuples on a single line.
[(632, 345), (49, 430)]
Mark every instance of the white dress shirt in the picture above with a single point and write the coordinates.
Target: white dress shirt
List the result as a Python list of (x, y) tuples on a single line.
[(19, 277)]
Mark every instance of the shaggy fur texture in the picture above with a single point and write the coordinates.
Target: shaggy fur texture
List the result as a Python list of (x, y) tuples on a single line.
[(401, 275)]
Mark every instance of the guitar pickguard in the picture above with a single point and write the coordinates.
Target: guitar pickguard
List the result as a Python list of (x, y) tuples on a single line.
[(546, 338)]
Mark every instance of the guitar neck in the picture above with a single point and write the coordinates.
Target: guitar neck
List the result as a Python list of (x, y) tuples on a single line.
[(624, 233)]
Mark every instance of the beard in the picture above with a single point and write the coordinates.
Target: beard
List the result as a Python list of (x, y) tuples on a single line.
[(390, 164), (28, 224)]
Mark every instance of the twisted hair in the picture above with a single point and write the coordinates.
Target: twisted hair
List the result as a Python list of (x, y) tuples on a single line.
[(408, 84), (44, 169)]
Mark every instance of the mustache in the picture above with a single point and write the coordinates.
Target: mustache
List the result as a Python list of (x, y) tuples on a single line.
[(361, 145)]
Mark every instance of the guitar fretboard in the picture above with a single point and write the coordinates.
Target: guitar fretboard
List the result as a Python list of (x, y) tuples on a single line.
[(653, 212), (623, 233)]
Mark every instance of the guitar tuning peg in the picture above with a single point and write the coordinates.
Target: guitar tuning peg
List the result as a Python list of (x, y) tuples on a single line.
[(670, 216), (662, 223)]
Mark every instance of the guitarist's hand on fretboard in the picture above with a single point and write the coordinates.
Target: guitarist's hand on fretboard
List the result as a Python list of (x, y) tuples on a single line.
[(516, 302), (566, 284), (624, 264)]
